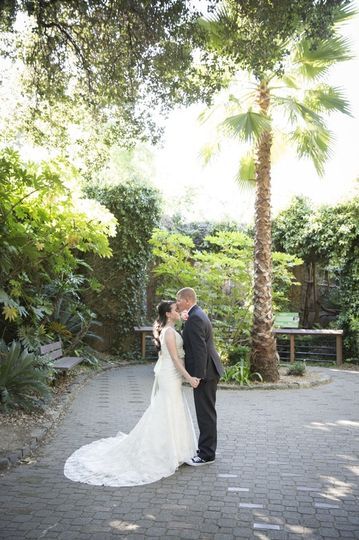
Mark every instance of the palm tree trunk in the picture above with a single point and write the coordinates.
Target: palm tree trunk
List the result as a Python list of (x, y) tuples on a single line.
[(264, 350)]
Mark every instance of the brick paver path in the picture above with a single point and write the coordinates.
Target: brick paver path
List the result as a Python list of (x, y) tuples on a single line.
[(287, 467)]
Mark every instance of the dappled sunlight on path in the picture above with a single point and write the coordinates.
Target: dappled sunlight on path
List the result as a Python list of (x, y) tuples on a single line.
[(287, 465)]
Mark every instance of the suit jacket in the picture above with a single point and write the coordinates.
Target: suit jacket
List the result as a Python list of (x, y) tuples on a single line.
[(201, 357)]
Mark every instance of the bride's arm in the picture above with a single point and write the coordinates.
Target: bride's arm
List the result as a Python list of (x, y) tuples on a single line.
[(170, 340)]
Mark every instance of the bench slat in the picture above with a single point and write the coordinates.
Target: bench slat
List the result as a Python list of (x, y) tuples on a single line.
[(143, 328), (54, 354), (44, 349), (67, 362)]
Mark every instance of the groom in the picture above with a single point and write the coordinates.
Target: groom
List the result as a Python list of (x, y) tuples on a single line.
[(202, 361)]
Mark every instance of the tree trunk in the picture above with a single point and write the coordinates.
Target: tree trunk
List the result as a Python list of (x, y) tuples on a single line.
[(316, 294), (309, 299), (264, 356)]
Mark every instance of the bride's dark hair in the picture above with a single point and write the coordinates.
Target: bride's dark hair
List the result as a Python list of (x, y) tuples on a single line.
[(163, 307)]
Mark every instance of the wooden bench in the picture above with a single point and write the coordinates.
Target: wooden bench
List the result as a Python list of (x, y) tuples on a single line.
[(53, 351), (143, 331)]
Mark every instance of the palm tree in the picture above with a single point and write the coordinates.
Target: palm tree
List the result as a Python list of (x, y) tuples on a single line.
[(288, 106)]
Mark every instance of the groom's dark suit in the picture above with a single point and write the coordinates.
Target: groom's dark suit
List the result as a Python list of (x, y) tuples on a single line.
[(202, 361)]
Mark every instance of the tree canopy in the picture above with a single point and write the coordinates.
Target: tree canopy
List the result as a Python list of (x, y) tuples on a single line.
[(127, 60), (257, 36)]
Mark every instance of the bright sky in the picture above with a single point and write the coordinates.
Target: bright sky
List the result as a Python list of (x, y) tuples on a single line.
[(211, 190)]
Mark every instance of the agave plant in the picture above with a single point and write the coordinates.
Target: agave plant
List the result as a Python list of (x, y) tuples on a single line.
[(22, 382)]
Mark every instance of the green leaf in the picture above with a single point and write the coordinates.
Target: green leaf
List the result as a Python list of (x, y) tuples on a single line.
[(313, 142), (248, 126), (314, 61), (246, 175), (296, 110), (208, 151), (327, 98)]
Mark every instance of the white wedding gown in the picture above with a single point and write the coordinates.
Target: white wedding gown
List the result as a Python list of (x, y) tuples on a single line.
[(161, 441)]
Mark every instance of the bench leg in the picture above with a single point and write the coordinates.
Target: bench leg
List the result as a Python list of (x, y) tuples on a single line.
[(339, 350), (292, 349)]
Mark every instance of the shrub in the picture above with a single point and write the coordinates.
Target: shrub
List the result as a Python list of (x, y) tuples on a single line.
[(237, 353), (240, 373), (298, 368), (222, 274), (327, 240), (45, 227), (23, 379)]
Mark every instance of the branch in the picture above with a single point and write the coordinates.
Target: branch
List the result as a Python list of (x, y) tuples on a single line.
[(76, 48), (20, 201)]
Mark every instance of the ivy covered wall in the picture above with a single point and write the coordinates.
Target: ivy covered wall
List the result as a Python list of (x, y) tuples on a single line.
[(121, 304)]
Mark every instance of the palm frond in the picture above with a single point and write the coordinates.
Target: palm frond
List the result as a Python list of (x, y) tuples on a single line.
[(208, 151), (21, 382), (296, 109), (345, 13), (216, 26), (246, 174), (313, 62), (248, 126), (290, 81), (327, 98), (313, 142)]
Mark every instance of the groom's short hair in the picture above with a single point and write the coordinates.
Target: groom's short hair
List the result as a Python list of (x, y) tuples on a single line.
[(188, 294)]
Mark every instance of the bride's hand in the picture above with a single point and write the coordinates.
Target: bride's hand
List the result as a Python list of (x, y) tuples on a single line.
[(194, 382)]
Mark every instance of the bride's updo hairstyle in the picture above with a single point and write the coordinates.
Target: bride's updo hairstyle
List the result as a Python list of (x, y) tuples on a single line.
[(162, 308)]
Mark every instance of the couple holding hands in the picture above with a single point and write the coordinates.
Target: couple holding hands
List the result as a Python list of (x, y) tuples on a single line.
[(164, 437)]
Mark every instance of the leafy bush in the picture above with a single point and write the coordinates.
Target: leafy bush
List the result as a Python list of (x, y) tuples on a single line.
[(237, 353), (328, 238), (240, 373), (45, 225), (71, 320), (297, 368), (23, 378), (221, 273)]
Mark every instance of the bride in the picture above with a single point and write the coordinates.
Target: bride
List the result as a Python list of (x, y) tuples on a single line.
[(164, 437)]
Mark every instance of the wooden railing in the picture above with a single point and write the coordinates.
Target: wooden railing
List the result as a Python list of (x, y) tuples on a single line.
[(292, 332)]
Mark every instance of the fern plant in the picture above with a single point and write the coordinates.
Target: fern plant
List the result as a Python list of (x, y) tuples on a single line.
[(22, 382)]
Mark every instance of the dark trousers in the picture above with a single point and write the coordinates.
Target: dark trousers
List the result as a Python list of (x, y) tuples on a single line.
[(205, 402)]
